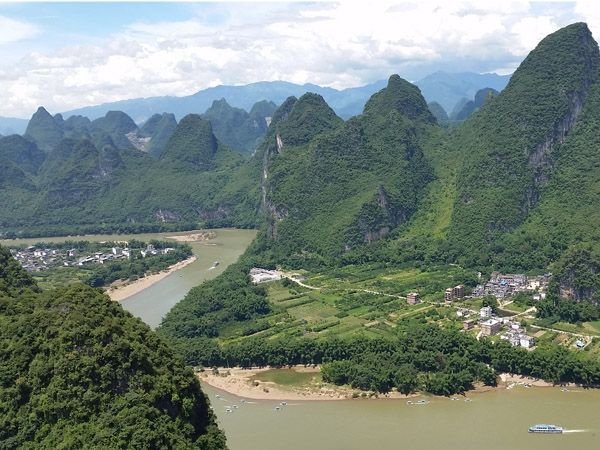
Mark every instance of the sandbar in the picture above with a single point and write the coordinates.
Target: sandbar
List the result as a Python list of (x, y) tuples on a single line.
[(120, 290), (239, 382), (195, 237)]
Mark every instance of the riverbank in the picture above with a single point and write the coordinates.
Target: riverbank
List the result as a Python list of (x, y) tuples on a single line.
[(120, 290), (196, 236), (244, 383)]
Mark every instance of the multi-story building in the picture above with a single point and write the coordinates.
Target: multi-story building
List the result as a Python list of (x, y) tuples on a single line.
[(490, 327), (413, 298)]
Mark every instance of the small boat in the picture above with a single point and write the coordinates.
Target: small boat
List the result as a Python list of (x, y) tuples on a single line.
[(418, 402), (283, 403), (455, 398), (277, 408), (545, 428), (216, 263), (468, 400), (235, 406)]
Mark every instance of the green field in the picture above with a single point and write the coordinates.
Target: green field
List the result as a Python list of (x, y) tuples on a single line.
[(352, 300)]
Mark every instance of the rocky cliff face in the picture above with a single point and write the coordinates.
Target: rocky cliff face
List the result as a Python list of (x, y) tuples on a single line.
[(540, 160), (508, 145)]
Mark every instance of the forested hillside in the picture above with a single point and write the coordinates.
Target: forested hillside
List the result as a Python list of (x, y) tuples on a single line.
[(509, 145), (388, 194), (79, 372), (331, 186), (238, 129), (99, 177)]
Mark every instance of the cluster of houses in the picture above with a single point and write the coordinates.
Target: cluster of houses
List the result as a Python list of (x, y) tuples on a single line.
[(34, 259), (504, 286), (491, 325)]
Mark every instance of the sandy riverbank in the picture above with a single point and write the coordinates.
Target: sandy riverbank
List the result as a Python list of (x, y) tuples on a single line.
[(120, 290), (195, 237), (508, 379), (240, 382)]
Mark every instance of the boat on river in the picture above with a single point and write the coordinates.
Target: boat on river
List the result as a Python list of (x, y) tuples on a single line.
[(418, 402), (545, 428)]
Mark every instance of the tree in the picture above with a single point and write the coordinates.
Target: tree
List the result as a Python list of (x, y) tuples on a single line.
[(406, 379)]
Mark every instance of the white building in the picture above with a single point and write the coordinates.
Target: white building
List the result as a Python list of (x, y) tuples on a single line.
[(259, 275), (526, 341), (485, 312)]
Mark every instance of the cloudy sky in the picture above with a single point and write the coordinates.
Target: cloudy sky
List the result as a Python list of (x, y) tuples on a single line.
[(69, 55)]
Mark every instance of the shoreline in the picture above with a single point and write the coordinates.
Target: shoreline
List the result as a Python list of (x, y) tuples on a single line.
[(119, 290), (239, 382), (194, 236)]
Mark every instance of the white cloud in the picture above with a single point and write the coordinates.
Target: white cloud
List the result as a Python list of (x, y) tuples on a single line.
[(339, 45), (12, 30)]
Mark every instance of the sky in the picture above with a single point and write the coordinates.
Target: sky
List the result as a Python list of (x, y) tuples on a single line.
[(69, 55)]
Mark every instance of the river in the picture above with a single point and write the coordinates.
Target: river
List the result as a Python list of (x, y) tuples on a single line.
[(496, 420), (492, 420), (154, 302)]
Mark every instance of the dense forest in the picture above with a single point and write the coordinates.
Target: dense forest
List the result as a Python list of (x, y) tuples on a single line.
[(79, 372)]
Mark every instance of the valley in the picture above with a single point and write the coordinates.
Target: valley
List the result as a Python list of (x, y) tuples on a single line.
[(400, 251)]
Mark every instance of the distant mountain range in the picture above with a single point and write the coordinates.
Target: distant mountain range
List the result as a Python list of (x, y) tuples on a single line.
[(12, 125), (448, 89), (445, 88), (501, 184)]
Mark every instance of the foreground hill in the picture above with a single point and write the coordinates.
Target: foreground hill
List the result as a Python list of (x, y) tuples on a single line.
[(79, 372)]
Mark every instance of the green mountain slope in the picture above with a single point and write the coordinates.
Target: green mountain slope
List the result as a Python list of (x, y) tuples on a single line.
[(237, 128), (79, 372), (159, 129), (44, 130), (508, 145), (439, 113), (567, 213), (332, 186), (471, 106), (22, 153), (117, 125), (193, 144)]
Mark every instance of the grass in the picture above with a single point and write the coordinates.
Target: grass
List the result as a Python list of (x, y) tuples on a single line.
[(288, 377), (592, 326)]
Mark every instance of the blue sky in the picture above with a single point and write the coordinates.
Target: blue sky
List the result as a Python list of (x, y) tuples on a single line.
[(67, 55)]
